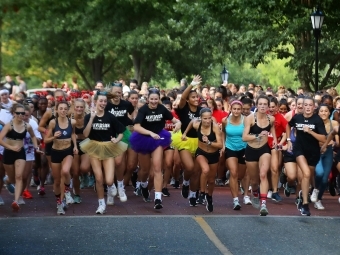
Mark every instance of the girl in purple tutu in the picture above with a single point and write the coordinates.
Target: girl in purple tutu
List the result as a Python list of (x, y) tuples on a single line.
[(149, 139)]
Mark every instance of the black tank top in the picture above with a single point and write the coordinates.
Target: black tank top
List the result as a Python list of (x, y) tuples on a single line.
[(256, 129), (211, 136), (65, 133), (14, 135)]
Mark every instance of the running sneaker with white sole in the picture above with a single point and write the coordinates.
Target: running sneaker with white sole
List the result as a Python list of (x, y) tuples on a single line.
[(236, 205), (137, 191), (209, 206), (158, 204), (145, 194), (122, 195), (21, 201), (299, 201), (109, 199), (112, 190), (314, 196), (263, 210), (77, 199), (255, 201), (172, 181), (318, 205), (219, 182), (165, 192), (1, 201), (305, 210), (15, 206), (101, 209), (192, 201), (286, 190), (276, 197), (60, 209), (246, 200), (269, 194), (201, 198), (68, 197)]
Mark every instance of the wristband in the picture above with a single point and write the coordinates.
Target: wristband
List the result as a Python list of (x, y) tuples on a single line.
[(288, 139), (194, 83)]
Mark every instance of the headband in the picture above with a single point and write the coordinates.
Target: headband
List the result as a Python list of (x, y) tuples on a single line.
[(4, 91), (236, 102)]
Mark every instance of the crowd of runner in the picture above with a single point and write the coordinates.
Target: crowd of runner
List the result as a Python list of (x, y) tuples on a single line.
[(193, 137)]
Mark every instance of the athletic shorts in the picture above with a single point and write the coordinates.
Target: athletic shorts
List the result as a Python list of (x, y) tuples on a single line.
[(254, 154), (312, 157), (10, 156), (235, 154), (57, 156), (288, 157), (212, 157)]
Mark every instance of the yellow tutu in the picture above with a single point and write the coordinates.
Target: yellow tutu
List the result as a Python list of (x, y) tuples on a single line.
[(190, 144), (102, 150)]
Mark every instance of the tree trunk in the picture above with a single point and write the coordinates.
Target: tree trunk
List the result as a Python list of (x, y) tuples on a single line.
[(83, 76), (137, 67), (97, 68)]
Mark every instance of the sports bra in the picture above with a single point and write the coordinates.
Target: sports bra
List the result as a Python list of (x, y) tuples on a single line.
[(79, 131), (14, 135), (211, 136), (255, 129), (52, 117), (65, 133)]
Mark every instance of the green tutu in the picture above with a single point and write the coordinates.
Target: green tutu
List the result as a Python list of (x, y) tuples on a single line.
[(126, 137)]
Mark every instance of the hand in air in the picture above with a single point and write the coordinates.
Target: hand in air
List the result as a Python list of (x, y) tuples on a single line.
[(197, 80)]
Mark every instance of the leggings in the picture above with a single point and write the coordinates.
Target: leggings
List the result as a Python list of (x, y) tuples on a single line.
[(322, 170)]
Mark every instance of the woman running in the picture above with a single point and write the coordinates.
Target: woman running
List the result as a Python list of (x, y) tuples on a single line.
[(104, 134), (233, 127), (14, 157), (81, 161), (257, 153), (149, 140), (207, 154), (188, 109), (324, 166), (310, 130), (61, 134)]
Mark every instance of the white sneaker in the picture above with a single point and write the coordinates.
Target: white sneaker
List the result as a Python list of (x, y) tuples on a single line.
[(339, 200), (21, 201), (60, 209), (68, 197), (122, 195), (38, 187), (101, 209), (32, 184), (172, 182), (109, 199), (318, 205), (112, 190), (246, 200), (269, 194), (314, 196), (2, 201)]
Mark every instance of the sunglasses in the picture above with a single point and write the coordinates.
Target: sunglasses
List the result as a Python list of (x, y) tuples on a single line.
[(116, 84), (20, 113)]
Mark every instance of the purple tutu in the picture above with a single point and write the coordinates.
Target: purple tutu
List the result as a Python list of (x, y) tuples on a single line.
[(145, 144)]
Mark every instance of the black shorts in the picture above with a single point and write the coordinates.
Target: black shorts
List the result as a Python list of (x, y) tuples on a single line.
[(312, 157), (288, 157), (57, 156), (48, 149), (9, 156), (254, 154), (213, 157), (80, 152), (235, 154)]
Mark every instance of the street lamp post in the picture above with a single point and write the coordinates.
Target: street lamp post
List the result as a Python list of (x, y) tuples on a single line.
[(317, 18), (224, 75)]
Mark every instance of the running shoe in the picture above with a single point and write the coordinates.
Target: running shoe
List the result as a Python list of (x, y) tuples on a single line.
[(185, 191), (165, 192), (236, 205), (176, 185), (209, 206), (241, 190), (77, 199), (68, 197), (172, 182), (314, 196), (112, 190), (305, 210), (101, 209), (255, 201), (201, 198), (145, 194), (91, 182), (246, 200), (32, 184), (263, 210), (109, 199), (21, 201), (299, 201), (286, 190), (138, 191), (276, 197), (84, 181), (41, 191), (15, 206), (122, 195), (27, 194), (158, 204), (269, 194), (318, 205), (1, 201), (283, 177), (219, 182), (192, 201), (60, 209)]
